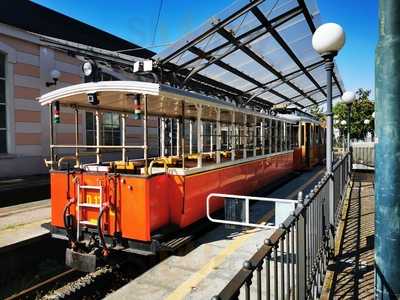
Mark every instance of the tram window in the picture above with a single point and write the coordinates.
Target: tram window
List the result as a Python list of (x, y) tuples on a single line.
[(224, 138), (266, 136), (279, 136), (302, 135), (312, 141), (295, 136), (260, 142), (273, 133), (284, 136), (206, 136)]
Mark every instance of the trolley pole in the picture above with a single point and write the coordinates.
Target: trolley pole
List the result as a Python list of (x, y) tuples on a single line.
[(387, 167)]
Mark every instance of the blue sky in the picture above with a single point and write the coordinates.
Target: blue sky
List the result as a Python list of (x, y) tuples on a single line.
[(135, 21)]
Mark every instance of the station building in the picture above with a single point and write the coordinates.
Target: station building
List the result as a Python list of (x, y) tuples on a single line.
[(34, 41)]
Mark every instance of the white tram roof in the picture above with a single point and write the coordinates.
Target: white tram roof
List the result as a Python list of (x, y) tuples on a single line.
[(162, 100)]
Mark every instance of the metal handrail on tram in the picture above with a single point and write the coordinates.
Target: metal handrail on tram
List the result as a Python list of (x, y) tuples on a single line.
[(246, 200), (297, 253)]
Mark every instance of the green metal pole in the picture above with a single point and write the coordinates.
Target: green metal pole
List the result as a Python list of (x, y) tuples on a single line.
[(387, 158)]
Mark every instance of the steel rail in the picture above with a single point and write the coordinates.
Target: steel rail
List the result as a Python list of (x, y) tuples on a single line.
[(46, 284)]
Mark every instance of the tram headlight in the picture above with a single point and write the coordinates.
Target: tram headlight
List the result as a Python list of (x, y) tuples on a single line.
[(92, 99), (87, 68)]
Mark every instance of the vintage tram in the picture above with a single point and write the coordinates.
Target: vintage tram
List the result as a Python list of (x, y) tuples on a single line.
[(127, 196)]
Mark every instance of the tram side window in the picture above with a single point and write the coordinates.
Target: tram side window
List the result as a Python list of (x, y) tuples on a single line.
[(225, 136), (288, 143), (312, 141), (284, 136), (279, 136), (295, 136), (266, 136), (302, 135), (273, 136)]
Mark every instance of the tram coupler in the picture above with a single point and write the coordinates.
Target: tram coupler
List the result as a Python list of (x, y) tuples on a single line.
[(85, 262)]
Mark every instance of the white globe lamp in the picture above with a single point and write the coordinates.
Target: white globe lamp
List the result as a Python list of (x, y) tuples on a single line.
[(328, 39), (348, 97)]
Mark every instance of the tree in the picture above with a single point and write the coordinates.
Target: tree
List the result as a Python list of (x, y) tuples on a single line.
[(362, 109), (316, 111)]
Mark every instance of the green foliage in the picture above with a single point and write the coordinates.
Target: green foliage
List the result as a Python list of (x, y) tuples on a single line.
[(317, 111), (361, 109)]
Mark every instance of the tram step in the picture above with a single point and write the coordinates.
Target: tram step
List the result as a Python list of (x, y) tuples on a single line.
[(89, 205), (87, 223)]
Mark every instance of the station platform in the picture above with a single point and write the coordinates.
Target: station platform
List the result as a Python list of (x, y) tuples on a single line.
[(351, 276), (14, 191), (212, 260), (23, 224)]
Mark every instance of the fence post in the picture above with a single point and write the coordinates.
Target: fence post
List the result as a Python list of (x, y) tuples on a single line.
[(301, 251), (350, 160)]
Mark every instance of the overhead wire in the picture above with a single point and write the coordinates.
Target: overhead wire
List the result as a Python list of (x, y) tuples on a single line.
[(157, 22)]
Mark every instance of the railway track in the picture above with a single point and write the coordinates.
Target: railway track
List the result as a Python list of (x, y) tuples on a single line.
[(73, 284), (88, 284), (37, 290)]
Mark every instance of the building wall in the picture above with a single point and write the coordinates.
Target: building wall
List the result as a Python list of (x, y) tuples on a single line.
[(28, 68)]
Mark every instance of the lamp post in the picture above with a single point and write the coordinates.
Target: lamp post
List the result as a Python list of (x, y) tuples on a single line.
[(348, 99), (373, 131), (327, 40), (366, 123), (343, 123)]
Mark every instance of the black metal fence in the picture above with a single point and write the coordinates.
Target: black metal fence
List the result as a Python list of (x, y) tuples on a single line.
[(292, 262)]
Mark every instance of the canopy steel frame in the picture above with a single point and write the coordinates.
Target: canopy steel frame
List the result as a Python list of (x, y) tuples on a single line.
[(263, 20), (276, 22), (308, 67), (262, 62), (210, 85), (212, 30), (242, 75), (189, 71), (311, 24)]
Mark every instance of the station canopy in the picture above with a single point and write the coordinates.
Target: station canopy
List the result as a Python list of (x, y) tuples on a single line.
[(258, 52)]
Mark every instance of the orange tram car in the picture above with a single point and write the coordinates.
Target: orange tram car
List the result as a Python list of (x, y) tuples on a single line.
[(127, 195)]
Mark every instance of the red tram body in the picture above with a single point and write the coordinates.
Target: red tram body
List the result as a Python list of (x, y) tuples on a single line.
[(162, 199), (122, 205)]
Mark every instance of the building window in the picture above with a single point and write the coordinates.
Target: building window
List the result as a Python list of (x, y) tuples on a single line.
[(110, 123), (90, 128), (3, 118), (110, 129)]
